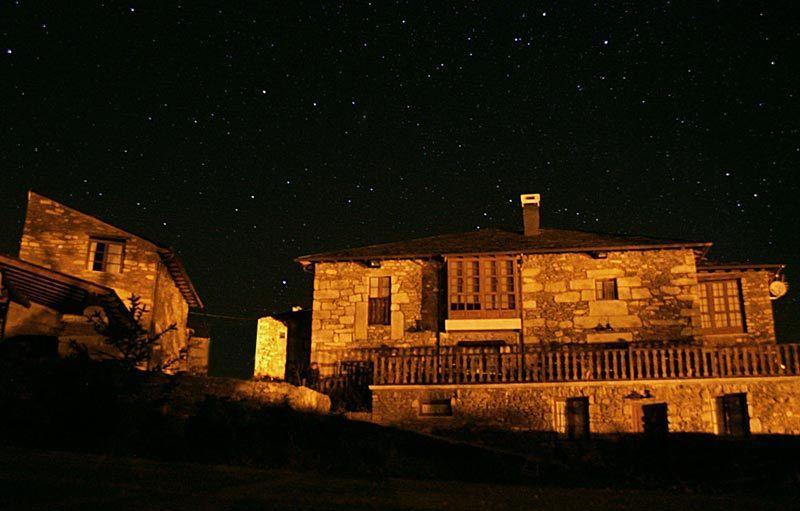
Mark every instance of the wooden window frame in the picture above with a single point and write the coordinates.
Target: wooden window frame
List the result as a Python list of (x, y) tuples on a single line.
[(606, 289), (483, 287), (380, 305), (727, 304), (106, 242), (436, 408)]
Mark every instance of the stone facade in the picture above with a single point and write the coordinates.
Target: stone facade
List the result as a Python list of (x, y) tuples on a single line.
[(58, 237), (657, 300), (657, 297), (693, 405), (341, 306)]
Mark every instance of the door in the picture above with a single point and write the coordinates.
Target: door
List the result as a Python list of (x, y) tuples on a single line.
[(735, 419), (655, 422), (577, 409)]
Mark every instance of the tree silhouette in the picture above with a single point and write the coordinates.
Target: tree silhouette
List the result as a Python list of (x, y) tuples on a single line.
[(130, 343)]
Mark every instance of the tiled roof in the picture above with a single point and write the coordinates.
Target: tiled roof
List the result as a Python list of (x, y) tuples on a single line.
[(486, 241)]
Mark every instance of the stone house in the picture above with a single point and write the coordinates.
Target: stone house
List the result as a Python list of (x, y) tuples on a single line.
[(61, 244), (545, 327)]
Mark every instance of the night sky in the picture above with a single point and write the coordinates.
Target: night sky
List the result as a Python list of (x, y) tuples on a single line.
[(246, 134)]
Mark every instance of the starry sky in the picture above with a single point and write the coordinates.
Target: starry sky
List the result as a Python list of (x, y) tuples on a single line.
[(246, 134)]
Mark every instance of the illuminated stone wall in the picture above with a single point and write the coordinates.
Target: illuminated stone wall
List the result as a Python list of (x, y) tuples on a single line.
[(657, 297), (271, 339), (341, 306), (693, 407)]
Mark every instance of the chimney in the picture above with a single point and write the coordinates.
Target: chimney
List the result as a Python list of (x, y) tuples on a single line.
[(530, 213)]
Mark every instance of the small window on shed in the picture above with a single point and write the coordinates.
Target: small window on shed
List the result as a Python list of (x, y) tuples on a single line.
[(606, 289), (436, 408)]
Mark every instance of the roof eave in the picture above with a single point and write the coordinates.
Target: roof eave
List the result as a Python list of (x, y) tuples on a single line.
[(323, 258)]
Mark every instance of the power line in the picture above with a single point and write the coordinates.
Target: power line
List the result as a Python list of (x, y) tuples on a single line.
[(223, 316)]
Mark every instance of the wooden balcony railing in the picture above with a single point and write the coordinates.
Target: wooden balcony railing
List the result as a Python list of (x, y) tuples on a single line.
[(509, 364)]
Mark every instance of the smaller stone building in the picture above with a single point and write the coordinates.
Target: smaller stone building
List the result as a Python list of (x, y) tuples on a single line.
[(283, 343), (67, 244)]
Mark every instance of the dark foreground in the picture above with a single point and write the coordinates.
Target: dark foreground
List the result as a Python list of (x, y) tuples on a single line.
[(33, 480)]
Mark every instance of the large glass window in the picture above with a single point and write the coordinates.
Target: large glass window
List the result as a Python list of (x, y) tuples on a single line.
[(482, 287), (721, 306)]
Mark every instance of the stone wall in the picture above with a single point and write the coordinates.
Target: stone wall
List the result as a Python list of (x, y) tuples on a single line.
[(271, 342), (186, 391), (341, 305), (169, 308), (758, 316), (773, 403), (57, 237), (198, 357), (657, 297)]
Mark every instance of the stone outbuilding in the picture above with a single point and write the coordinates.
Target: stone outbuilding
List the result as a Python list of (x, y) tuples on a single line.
[(283, 345)]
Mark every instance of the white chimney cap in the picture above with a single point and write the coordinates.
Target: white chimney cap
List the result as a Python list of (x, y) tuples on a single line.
[(530, 198)]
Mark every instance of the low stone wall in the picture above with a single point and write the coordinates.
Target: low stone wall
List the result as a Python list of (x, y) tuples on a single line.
[(192, 389), (773, 404)]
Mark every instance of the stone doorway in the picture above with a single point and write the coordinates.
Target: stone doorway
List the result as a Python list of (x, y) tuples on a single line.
[(577, 409), (734, 415), (654, 420)]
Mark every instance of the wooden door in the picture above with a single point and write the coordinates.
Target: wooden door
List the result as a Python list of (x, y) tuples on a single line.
[(655, 421), (735, 418), (577, 409)]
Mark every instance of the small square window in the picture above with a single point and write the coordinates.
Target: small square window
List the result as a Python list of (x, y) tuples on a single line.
[(106, 255), (606, 289)]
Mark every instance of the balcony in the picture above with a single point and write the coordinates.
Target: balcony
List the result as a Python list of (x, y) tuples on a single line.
[(510, 364)]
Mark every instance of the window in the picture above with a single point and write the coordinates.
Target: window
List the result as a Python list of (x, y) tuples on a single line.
[(482, 287), (560, 417), (106, 255), (606, 289), (380, 300), (721, 306), (436, 408)]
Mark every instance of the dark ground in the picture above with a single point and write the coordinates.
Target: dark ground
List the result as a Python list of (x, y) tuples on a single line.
[(76, 434), (42, 480)]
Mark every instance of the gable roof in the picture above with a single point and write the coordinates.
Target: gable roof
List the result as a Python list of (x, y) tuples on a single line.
[(168, 256), (496, 241)]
